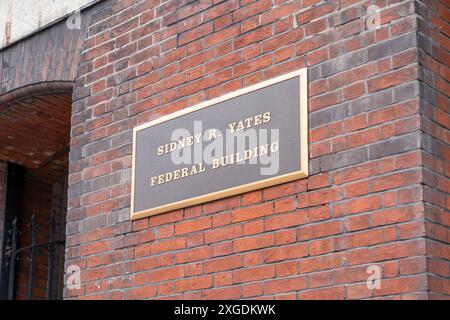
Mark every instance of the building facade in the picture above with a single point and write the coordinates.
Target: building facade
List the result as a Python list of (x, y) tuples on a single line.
[(373, 210)]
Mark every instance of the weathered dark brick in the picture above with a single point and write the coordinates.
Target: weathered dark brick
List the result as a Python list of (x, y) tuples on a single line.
[(343, 159), (335, 113), (391, 46), (395, 145), (371, 102)]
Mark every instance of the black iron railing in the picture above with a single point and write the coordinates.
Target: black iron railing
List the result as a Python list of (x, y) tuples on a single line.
[(32, 251)]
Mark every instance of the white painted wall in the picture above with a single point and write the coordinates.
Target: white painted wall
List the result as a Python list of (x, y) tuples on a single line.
[(19, 18)]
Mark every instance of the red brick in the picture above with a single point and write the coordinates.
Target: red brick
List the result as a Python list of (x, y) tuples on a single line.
[(285, 285), (284, 205), (395, 180), (393, 79), (355, 173), (196, 283), (321, 247), (285, 236), (355, 223), (201, 253), (221, 205), (252, 243), (287, 253), (253, 227), (253, 274), (318, 181), (252, 9), (221, 249), (252, 197), (192, 226), (326, 262), (223, 293), (168, 245), (357, 189), (141, 292), (166, 218), (393, 112), (319, 230), (353, 75), (399, 250), (225, 233), (319, 279), (284, 190), (359, 291), (364, 204), (334, 293), (360, 239), (356, 139), (252, 290), (396, 215), (286, 220), (354, 91), (320, 197), (222, 264), (166, 274), (319, 213), (288, 268), (252, 212), (402, 285), (96, 247), (223, 279)]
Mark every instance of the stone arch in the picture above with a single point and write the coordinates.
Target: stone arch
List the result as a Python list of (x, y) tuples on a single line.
[(35, 89), (37, 76)]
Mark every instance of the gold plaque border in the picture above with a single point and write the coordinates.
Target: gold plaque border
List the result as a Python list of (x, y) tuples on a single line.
[(303, 105)]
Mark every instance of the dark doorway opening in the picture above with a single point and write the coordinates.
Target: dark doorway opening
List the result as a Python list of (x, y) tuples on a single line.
[(34, 142), (34, 237)]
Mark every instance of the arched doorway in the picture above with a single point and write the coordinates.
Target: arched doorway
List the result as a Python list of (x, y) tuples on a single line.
[(34, 140)]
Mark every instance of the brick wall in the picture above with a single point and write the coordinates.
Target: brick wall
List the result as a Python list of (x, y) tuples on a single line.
[(48, 56), (3, 177), (37, 200), (378, 187), (59, 210), (435, 106), (43, 200)]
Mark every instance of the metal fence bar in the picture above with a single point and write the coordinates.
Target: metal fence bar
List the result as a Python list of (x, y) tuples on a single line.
[(32, 255), (50, 256), (32, 250), (12, 262)]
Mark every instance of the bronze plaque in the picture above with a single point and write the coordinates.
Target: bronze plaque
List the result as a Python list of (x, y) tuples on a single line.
[(246, 140)]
